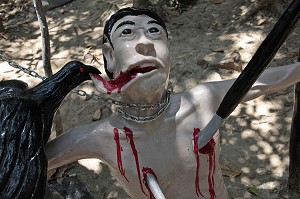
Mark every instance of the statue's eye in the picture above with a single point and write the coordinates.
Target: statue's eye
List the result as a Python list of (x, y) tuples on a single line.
[(153, 30), (127, 32)]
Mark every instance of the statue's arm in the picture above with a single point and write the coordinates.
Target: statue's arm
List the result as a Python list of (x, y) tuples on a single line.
[(270, 81), (78, 143), (274, 79)]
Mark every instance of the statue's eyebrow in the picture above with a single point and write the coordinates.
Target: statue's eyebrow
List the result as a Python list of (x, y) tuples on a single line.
[(132, 23), (125, 23), (154, 21)]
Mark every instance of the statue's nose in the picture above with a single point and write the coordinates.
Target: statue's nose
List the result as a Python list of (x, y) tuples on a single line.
[(145, 49)]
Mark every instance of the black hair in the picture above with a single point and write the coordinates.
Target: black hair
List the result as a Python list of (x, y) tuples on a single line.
[(131, 11)]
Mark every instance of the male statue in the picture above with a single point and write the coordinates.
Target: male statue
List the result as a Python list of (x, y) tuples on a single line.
[(155, 129)]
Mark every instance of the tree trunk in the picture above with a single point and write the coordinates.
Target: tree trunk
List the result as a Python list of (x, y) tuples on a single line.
[(46, 54), (45, 36)]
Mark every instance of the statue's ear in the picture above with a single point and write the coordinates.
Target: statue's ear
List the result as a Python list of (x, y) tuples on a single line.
[(108, 53)]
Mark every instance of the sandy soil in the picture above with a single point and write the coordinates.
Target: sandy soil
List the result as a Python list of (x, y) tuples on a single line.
[(254, 138)]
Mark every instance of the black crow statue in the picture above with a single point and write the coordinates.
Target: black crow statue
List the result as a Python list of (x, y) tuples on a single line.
[(26, 117)]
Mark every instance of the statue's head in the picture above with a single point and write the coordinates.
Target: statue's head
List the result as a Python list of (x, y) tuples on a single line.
[(129, 11), (136, 51), (132, 12)]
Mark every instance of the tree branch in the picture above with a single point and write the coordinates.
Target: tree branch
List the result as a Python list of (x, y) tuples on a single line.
[(45, 36), (46, 55)]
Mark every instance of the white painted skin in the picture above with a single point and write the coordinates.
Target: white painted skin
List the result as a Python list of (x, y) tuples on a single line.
[(144, 45), (165, 144)]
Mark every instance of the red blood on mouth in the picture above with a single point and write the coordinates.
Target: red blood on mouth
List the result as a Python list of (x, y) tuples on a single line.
[(109, 85), (133, 72), (123, 78), (209, 150)]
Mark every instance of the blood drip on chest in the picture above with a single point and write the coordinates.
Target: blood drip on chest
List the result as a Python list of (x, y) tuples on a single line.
[(129, 135), (119, 153), (208, 150)]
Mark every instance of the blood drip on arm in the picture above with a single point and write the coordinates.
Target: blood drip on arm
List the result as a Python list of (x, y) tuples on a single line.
[(208, 150)]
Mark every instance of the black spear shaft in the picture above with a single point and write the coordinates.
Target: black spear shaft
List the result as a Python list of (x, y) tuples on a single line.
[(260, 60)]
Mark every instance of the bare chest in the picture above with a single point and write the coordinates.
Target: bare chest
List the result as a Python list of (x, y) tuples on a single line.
[(168, 151)]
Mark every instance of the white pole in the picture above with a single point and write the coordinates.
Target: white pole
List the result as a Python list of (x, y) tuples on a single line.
[(154, 187)]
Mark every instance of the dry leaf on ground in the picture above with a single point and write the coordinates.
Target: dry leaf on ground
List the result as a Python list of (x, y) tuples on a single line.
[(230, 170)]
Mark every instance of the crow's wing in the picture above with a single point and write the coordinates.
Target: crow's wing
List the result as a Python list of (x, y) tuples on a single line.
[(23, 164), (10, 88)]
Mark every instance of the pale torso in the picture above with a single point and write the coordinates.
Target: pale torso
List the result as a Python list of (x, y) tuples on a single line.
[(167, 148)]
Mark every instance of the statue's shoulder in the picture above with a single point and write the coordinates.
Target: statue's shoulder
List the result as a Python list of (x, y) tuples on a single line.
[(202, 90)]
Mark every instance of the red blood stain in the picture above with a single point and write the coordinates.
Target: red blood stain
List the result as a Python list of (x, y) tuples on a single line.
[(81, 69), (119, 155), (208, 150), (122, 79), (196, 151), (145, 171), (110, 85), (129, 135), (211, 181)]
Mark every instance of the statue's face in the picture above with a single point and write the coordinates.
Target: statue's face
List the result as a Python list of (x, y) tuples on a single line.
[(140, 52)]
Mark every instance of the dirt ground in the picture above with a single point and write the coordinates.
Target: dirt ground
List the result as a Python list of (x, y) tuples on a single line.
[(205, 44)]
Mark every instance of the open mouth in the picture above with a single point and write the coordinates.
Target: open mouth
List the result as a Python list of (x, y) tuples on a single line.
[(124, 77)]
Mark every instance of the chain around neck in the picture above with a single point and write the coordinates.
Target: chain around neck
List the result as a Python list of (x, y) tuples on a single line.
[(140, 106), (142, 119)]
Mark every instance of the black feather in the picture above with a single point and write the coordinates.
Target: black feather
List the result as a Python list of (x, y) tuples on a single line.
[(10, 88), (25, 124)]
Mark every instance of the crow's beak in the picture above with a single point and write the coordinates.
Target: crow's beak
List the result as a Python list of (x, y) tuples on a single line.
[(91, 69)]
